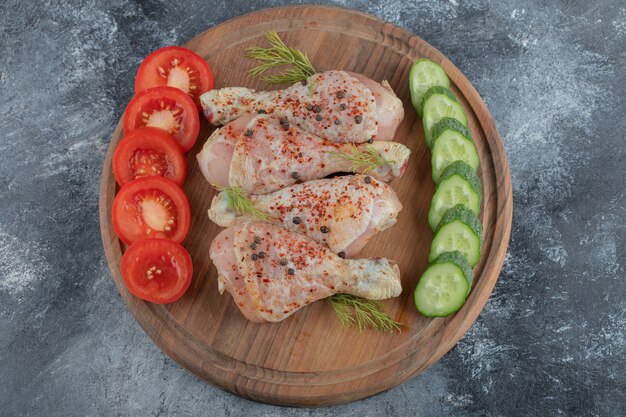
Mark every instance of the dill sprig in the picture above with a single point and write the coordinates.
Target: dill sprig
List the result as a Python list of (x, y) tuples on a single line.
[(279, 55), (365, 314), (362, 161), (241, 204)]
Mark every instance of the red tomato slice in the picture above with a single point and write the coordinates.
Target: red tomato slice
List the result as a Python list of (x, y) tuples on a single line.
[(176, 67), (149, 151), (157, 270), (151, 207), (167, 108)]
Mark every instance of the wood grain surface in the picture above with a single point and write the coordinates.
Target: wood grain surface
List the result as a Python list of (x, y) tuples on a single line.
[(309, 359)]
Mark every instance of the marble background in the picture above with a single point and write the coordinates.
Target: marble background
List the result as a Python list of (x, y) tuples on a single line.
[(552, 338)]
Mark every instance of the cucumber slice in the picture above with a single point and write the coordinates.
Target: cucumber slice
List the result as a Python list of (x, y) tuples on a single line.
[(440, 102), (452, 142), (459, 229), (459, 184), (444, 285), (424, 74)]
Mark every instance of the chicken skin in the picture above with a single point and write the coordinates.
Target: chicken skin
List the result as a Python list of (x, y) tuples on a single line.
[(343, 213), (271, 272), (261, 154), (338, 106)]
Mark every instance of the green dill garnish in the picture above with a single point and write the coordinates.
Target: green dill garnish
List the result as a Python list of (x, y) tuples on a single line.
[(311, 88), (362, 161), (365, 314), (240, 204), (279, 55)]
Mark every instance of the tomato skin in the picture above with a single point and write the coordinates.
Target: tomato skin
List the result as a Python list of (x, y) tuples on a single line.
[(157, 270), (132, 220), (179, 114), (153, 71), (153, 140)]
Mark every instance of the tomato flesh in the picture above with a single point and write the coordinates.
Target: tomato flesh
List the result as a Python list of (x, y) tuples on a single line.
[(165, 108), (157, 270), (156, 210), (151, 207), (146, 162), (149, 152), (177, 67)]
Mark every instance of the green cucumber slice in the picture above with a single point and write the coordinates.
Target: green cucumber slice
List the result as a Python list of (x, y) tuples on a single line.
[(459, 229), (440, 102), (424, 74), (452, 142), (458, 184), (444, 285)]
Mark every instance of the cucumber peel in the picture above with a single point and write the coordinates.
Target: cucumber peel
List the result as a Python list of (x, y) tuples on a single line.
[(444, 286), (425, 73), (452, 142), (440, 102), (448, 123), (459, 229), (458, 184)]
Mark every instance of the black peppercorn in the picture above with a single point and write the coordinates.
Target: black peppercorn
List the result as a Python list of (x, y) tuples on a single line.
[(309, 107), (297, 220), (368, 180), (342, 255), (303, 82), (248, 132), (318, 118), (295, 175), (341, 94), (358, 119), (370, 140), (262, 111), (253, 246), (324, 229), (342, 106), (284, 261), (317, 109), (291, 271), (284, 123), (257, 240), (261, 254), (255, 256), (299, 154), (337, 122)]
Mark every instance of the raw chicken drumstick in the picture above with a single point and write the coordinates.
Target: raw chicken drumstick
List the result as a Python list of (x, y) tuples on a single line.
[(271, 272), (338, 106), (343, 213), (261, 154)]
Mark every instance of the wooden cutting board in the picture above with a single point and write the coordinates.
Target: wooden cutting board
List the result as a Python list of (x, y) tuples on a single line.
[(309, 359)]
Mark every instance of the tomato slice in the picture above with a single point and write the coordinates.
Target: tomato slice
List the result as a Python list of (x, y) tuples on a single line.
[(176, 67), (157, 270), (167, 108), (149, 151), (151, 207)]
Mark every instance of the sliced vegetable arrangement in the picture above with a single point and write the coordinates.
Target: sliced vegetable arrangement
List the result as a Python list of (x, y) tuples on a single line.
[(151, 212), (455, 207)]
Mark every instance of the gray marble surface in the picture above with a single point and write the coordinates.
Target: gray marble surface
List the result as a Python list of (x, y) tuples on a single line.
[(552, 338)]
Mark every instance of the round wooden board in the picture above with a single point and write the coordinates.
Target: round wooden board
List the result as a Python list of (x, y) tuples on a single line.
[(309, 359)]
